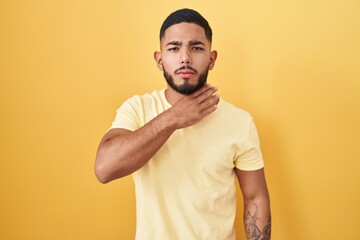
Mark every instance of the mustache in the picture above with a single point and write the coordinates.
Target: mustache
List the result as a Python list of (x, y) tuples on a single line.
[(185, 67)]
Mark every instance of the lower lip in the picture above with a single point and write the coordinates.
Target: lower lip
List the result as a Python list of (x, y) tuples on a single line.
[(186, 75)]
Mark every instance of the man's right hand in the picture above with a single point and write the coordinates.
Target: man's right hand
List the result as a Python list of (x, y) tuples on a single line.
[(192, 108)]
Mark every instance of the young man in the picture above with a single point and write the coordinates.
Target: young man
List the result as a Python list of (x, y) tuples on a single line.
[(185, 147)]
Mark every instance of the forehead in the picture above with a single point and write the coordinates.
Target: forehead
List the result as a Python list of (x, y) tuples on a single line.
[(184, 32)]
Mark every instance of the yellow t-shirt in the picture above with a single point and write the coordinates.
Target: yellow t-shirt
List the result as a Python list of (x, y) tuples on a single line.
[(187, 190)]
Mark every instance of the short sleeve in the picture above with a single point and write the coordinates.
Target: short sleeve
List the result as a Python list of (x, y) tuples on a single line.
[(127, 116), (249, 156)]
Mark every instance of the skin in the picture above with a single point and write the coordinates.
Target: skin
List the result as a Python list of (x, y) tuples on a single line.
[(122, 152), (184, 44), (257, 216)]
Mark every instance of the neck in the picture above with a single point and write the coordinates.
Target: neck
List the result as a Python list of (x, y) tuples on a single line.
[(172, 96)]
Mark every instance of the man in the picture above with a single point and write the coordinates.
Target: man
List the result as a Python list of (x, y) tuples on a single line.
[(185, 146)]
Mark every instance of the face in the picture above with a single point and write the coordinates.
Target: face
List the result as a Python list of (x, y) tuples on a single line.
[(185, 57)]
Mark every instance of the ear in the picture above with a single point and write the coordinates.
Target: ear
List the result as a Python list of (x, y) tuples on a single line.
[(213, 56), (158, 60)]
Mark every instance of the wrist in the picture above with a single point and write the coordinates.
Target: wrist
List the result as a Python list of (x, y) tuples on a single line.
[(166, 122)]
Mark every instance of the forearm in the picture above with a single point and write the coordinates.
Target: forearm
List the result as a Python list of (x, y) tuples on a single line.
[(257, 218), (124, 154)]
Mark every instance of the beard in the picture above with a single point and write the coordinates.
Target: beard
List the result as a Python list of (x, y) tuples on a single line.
[(186, 88)]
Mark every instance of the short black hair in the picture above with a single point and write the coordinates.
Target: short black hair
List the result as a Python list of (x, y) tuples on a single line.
[(189, 16)]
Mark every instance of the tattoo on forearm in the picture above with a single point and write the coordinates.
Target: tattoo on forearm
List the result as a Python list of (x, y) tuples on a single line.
[(251, 219)]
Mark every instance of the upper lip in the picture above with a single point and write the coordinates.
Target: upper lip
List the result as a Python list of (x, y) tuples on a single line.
[(185, 69)]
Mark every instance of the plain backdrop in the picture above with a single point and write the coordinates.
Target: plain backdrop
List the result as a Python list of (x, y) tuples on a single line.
[(66, 66)]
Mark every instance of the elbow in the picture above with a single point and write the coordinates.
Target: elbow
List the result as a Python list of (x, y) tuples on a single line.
[(260, 196), (107, 168), (101, 174)]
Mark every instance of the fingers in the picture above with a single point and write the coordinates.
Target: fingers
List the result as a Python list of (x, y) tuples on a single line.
[(204, 93), (204, 89), (210, 104), (207, 99), (194, 107)]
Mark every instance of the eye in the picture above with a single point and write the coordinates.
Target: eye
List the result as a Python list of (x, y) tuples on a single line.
[(198, 49), (173, 49)]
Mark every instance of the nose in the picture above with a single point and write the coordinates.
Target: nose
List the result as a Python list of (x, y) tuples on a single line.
[(185, 57)]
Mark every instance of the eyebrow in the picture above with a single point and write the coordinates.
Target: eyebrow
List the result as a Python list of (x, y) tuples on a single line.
[(176, 43), (191, 43)]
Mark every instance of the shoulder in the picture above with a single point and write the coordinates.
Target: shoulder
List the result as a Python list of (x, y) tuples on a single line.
[(145, 99), (138, 110), (231, 111), (147, 106), (232, 120)]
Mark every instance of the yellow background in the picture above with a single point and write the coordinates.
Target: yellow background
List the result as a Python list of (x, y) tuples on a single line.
[(66, 66)]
